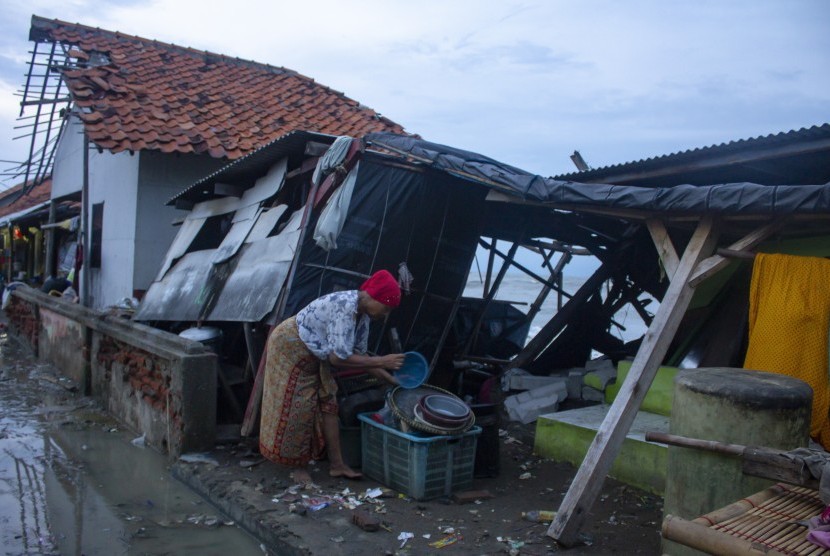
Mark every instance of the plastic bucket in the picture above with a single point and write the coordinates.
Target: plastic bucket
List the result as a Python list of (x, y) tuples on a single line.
[(414, 370)]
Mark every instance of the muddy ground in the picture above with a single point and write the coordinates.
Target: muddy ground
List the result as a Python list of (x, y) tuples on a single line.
[(262, 497)]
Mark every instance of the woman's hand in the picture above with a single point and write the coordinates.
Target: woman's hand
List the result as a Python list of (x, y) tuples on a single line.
[(393, 361)]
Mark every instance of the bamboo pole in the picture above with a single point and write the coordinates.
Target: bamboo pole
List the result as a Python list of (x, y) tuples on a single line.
[(700, 537)]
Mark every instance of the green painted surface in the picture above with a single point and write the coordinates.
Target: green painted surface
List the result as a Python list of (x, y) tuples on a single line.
[(659, 396), (639, 463), (592, 380)]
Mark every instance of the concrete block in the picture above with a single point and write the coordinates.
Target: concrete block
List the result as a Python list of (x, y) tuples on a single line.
[(599, 364), (601, 377), (575, 380), (529, 411), (527, 406), (530, 382), (592, 394)]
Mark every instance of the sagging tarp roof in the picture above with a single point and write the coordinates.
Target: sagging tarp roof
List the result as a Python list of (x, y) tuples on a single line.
[(727, 199)]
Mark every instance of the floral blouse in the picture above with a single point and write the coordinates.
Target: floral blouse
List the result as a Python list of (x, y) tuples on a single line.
[(330, 324)]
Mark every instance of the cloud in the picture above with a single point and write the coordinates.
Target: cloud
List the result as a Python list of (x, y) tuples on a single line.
[(526, 82)]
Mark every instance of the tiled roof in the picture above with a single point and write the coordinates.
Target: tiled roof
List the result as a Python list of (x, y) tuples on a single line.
[(148, 95), (38, 194)]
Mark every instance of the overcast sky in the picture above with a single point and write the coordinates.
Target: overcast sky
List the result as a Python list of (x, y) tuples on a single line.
[(526, 82)]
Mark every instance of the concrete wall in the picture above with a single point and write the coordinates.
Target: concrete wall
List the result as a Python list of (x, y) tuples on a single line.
[(61, 340), (137, 227), (156, 383), (161, 176)]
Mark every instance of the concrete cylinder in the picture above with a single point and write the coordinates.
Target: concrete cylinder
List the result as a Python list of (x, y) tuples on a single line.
[(736, 406)]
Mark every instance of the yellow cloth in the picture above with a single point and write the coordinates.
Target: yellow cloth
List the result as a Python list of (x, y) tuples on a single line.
[(789, 313)]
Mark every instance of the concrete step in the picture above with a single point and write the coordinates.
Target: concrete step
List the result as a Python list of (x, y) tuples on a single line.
[(566, 436)]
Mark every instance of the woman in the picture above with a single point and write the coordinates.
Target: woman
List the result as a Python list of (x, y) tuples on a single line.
[(299, 404)]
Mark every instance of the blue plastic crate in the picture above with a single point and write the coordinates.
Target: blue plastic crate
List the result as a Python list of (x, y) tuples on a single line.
[(419, 465)]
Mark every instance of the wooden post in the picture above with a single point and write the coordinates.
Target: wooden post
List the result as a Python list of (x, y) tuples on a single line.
[(606, 445), (51, 267)]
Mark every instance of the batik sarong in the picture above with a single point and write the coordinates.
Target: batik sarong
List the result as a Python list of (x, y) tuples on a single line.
[(297, 390)]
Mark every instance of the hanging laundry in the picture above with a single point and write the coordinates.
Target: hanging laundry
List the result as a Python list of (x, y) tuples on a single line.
[(789, 314)]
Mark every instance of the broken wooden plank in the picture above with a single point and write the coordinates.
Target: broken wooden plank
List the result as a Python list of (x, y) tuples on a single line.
[(555, 325), (606, 445), (251, 418)]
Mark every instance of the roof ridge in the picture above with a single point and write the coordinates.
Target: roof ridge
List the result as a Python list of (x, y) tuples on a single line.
[(48, 24)]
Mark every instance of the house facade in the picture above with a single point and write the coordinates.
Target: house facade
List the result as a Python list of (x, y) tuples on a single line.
[(146, 119)]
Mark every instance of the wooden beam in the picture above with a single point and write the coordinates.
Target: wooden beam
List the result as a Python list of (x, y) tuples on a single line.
[(555, 325), (712, 265), (606, 445), (665, 248)]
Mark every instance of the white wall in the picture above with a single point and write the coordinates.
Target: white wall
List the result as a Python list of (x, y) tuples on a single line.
[(113, 180), (137, 226), (67, 173), (161, 177)]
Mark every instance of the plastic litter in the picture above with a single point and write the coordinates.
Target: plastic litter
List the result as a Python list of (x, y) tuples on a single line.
[(446, 541), (405, 536), (539, 516)]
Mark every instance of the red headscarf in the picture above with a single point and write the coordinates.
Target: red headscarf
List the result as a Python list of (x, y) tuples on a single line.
[(382, 287)]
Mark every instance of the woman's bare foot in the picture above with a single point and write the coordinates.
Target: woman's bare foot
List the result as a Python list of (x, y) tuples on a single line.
[(301, 476), (344, 471)]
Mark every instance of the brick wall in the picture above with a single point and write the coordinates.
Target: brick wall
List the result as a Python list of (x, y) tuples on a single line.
[(158, 384)]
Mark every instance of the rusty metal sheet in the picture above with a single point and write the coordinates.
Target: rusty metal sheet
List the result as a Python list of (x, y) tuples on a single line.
[(266, 221), (185, 236), (248, 294), (180, 294), (251, 291), (233, 240)]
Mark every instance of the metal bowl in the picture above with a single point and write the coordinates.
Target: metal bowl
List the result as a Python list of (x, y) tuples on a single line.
[(442, 418), (447, 407)]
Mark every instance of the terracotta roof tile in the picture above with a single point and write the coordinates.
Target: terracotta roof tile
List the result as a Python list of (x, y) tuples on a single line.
[(38, 194), (158, 96)]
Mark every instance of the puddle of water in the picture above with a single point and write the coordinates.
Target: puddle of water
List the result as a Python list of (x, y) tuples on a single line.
[(71, 483)]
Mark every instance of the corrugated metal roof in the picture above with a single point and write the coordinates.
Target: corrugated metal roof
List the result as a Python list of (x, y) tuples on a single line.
[(804, 135), (254, 165)]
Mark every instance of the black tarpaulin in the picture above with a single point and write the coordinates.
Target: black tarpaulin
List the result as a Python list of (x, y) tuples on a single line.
[(399, 216), (730, 198)]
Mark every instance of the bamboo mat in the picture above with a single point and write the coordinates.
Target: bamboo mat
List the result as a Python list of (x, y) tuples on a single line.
[(770, 522)]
